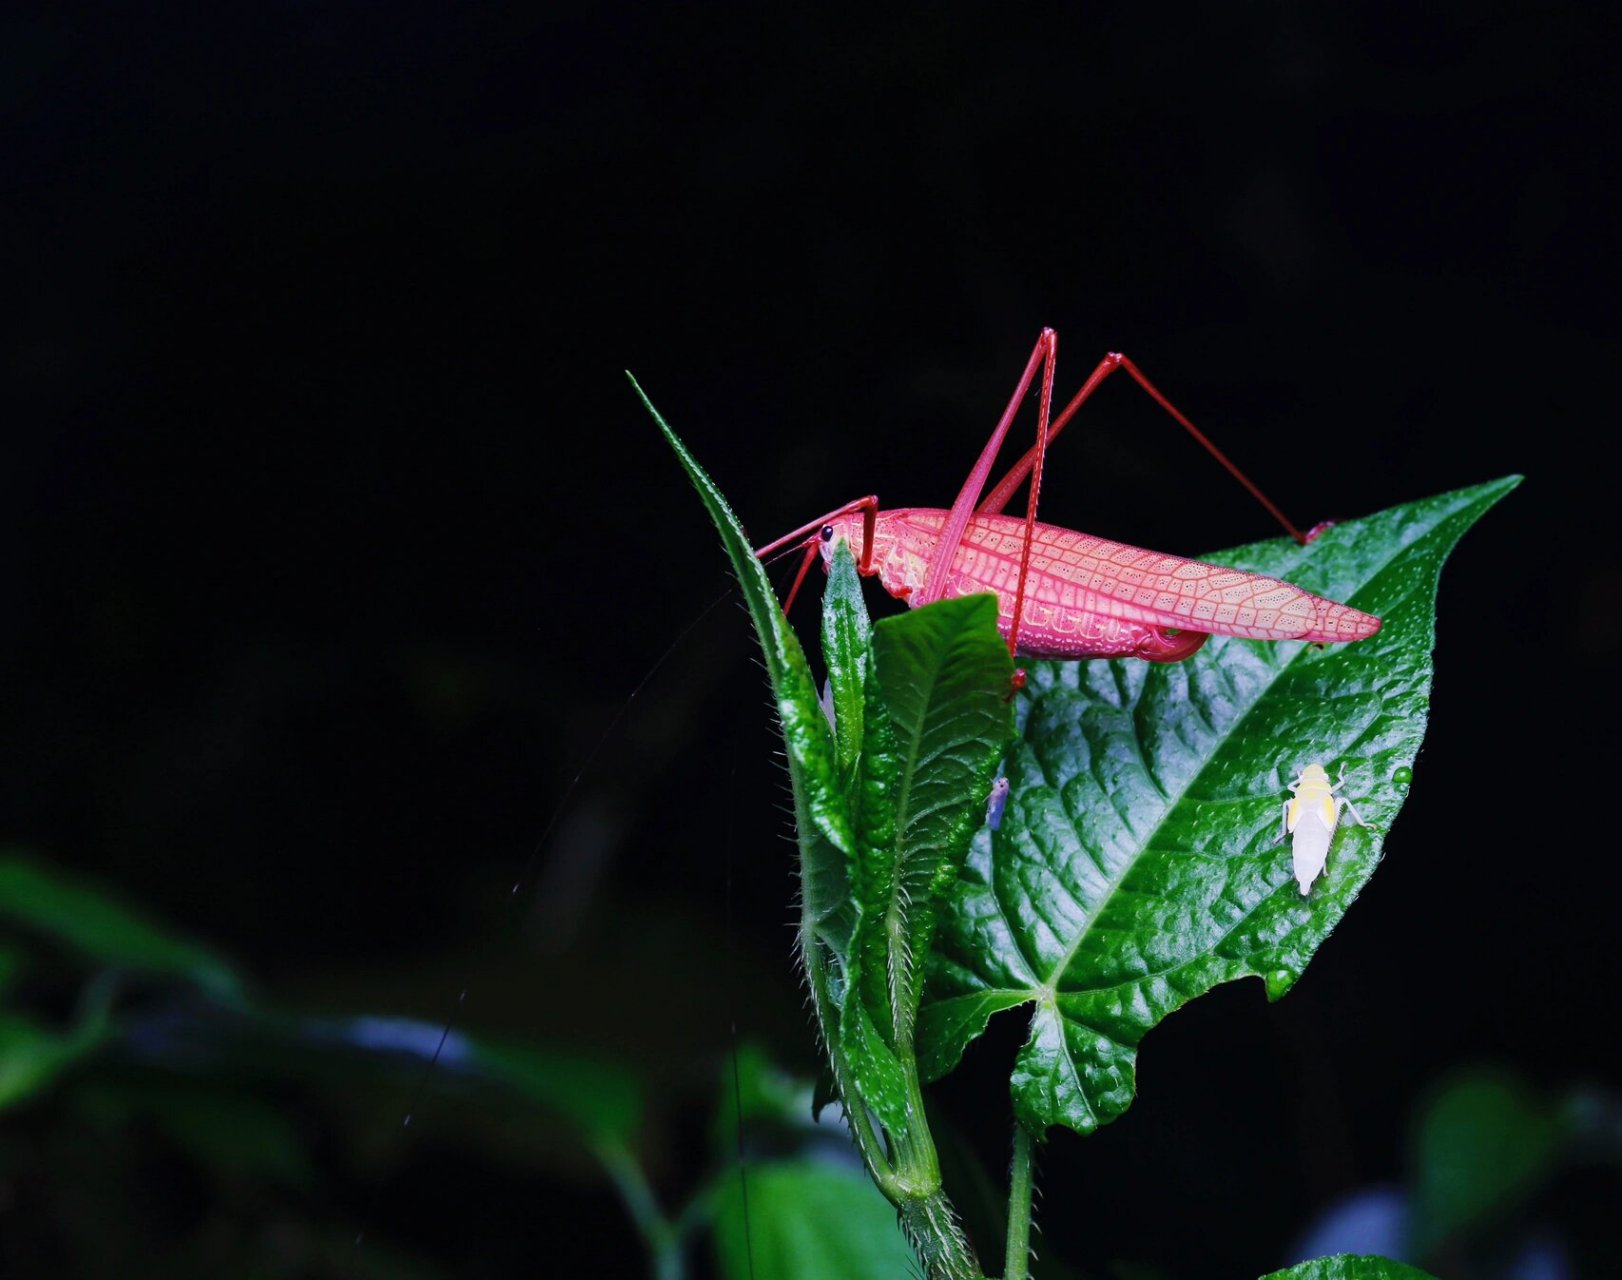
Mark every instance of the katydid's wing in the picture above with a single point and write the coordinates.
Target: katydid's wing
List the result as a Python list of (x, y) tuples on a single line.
[(1078, 574), (1164, 590)]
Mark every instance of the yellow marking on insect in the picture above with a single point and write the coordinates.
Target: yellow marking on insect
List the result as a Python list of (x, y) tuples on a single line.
[(1310, 816)]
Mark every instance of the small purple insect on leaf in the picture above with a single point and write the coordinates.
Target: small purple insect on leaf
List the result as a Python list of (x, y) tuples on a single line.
[(995, 802)]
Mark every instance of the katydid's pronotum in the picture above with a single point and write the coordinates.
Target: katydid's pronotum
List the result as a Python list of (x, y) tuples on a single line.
[(1063, 594)]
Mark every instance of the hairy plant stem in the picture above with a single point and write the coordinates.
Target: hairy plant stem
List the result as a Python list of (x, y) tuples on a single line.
[(931, 1225), (904, 1166), (1016, 1260)]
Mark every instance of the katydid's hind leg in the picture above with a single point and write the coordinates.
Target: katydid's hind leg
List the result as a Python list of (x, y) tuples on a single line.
[(1240, 476), (1043, 406), (1009, 484), (957, 519), (1164, 647), (1352, 809), (1046, 352)]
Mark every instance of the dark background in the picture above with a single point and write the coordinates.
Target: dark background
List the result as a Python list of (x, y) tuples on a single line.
[(335, 541)]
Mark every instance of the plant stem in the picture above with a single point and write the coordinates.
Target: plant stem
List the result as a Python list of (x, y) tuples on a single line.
[(931, 1225), (1016, 1260)]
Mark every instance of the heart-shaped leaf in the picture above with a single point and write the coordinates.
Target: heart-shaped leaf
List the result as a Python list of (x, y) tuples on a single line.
[(1139, 861)]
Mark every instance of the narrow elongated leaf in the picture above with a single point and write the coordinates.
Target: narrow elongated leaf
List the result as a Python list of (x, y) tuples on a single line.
[(44, 900), (923, 717), (1346, 1266), (944, 675), (879, 1074), (847, 648), (1138, 862), (868, 767), (936, 719), (822, 819)]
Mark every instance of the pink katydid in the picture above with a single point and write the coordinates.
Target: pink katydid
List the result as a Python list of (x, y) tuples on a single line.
[(1063, 594)]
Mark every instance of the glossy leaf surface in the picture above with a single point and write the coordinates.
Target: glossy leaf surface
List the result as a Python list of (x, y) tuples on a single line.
[(1139, 860)]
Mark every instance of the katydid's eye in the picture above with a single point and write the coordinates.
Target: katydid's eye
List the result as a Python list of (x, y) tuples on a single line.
[(827, 533)]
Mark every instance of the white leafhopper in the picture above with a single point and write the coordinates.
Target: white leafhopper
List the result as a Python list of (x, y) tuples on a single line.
[(1310, 817)]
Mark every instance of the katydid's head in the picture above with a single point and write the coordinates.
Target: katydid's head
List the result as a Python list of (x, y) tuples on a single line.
[(854, 522), (846, 528)]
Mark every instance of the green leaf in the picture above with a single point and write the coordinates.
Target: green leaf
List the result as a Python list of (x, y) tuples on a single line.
[(771, 1099), (880, 1075), (945, 676), (1483, 1145), (46, 901), (873, 1079), (869, 766), (934, 721), (32, 1056), (941, 721), (847, 648), (1346, 1266), (808, 1222), (603, 1099), (1138, 863)]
